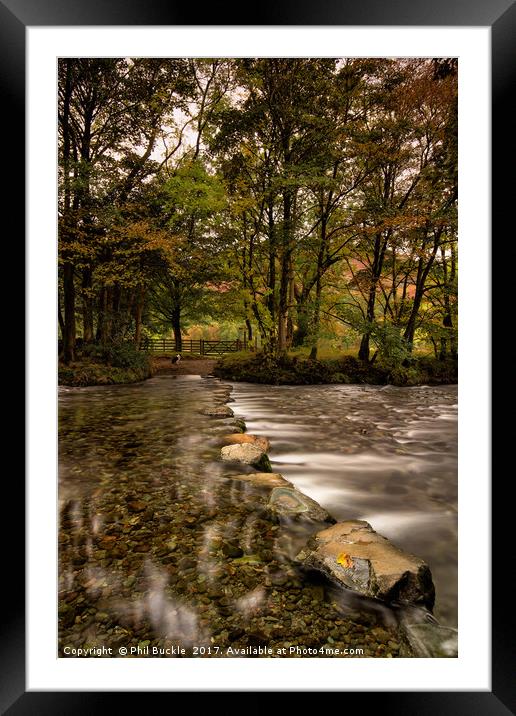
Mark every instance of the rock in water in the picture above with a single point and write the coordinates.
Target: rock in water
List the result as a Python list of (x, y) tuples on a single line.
[(263, 479), (248, 455), (240, 424), (219, 411), (289, 502), (431, 640), (353, 555), (241, 438)]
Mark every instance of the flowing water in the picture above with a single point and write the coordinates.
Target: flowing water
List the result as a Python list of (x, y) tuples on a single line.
[(159, 547), (386, 455)]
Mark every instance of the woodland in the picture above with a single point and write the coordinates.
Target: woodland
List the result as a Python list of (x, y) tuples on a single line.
[(309, 205)]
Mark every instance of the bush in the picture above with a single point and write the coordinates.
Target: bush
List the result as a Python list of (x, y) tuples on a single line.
[(106, 365), (295, 370), (283, 370), (125, 355), (118, 355)]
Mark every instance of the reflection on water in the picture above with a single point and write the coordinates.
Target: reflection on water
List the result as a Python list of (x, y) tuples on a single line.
[(383, 454)]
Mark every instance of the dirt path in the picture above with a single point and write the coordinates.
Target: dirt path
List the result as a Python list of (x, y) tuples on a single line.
[(186, 366)]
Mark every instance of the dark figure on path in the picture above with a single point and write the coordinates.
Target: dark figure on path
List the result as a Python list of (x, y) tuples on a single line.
[(176, 358)]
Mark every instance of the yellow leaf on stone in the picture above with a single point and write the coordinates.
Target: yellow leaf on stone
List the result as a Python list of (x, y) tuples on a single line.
[(345, 560)]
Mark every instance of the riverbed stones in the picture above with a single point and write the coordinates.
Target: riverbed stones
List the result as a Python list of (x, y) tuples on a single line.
[(242, 438), (231, 549), (218, 411), (287, 502), (246, 454), (264, 479), (234, 550), (137, 506), (354, 556)]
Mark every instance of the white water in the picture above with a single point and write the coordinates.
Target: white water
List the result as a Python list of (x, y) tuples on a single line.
[(383, 454)]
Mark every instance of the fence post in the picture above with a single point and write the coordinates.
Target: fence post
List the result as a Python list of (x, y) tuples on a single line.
[(202, 346)]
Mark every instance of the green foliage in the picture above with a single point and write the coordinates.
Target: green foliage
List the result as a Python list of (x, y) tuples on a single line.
[(193, 192), (295, 370), (266, 368), (393, 349), (89, 372), (116, 355), (313, 198)]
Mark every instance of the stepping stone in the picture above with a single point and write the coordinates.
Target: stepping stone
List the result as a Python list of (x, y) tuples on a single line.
[(248, 455), (240, 438), (354, 556), (219, 411), (288, 502), (263, 479)]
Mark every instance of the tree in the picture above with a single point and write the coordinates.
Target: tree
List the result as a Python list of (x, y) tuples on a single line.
[(111, 113)]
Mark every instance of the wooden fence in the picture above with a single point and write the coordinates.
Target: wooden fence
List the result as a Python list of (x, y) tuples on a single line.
[(201, 347)]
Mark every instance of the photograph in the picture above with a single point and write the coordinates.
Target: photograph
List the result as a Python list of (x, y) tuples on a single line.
[(260, 302), (257, 269)]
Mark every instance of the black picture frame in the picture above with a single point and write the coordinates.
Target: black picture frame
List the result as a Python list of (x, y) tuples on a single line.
[(500, 16)]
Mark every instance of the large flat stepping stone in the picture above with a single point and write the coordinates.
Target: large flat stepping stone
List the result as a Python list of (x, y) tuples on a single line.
[(246, 454), (241, 438), (354, 556), (287, 502), (219, 411), (263, 479)]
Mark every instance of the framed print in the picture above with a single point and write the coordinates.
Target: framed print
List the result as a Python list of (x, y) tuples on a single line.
[(265, 220)]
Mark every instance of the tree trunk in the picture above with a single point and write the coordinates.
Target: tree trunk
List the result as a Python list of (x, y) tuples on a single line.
[(176, 327), (87, 305), (303, 320), (316, 318), (364, 350), (69, 313), (271, 278), (138, 314), (68, 270), (101, 301), (380, 247), (282, 306), (449, 278), (285, 271), (249, 329), (105, 315), (318, 290), (422, 274), (60, 318)]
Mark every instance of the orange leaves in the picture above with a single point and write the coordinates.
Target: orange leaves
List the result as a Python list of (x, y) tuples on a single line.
[(345, 560)]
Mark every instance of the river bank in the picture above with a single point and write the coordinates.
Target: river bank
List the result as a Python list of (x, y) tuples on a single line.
[(87, 372), (297, 370)]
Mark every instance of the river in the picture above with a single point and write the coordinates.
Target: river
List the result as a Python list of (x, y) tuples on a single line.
[(383, 454), (157, 546)]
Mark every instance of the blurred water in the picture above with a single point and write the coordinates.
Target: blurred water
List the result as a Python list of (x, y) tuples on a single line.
[(387, 455), (147, 509)]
